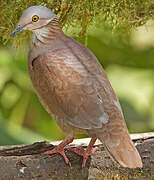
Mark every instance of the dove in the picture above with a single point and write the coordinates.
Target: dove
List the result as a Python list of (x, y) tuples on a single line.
[(73, 87)]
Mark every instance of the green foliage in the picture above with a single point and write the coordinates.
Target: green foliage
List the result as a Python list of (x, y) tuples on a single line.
[(118, 49), (12, 137), (78, 14)]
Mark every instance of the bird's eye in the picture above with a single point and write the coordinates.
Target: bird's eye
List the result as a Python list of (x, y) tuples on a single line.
[(35, 18)]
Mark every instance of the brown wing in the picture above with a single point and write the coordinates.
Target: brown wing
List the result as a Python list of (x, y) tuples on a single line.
[(72, 85)]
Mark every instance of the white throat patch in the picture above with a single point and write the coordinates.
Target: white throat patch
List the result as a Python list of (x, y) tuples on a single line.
[(40, 34)]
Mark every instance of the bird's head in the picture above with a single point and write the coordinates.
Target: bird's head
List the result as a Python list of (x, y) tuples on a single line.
[(33, 18)]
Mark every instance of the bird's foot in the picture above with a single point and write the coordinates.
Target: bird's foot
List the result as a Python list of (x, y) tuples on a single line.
[(60, 151), (60, 148), (85, 153)]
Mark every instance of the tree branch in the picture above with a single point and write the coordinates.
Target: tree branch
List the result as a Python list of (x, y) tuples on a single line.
[(28, 162)]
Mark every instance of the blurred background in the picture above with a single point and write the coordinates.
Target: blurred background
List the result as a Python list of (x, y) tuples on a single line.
[(128, 59)]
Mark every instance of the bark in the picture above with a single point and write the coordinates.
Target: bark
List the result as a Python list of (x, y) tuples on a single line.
[(27, 162)]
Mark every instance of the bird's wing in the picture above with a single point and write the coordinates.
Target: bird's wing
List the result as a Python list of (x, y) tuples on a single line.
[(81, 88)]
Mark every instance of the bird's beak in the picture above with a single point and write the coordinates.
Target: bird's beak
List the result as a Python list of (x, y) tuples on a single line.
[(17, 30)]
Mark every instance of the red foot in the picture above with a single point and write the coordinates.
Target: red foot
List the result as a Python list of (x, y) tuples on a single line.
[(85, 153), (60, 151), (79, 150), (60, 148)]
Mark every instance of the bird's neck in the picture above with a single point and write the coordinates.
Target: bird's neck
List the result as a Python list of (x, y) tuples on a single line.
[(46, 34)]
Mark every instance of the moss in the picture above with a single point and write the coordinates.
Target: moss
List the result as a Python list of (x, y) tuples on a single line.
[(78, 14)]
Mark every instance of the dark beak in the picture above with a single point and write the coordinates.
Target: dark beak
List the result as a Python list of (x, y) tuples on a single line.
[(17, 30)]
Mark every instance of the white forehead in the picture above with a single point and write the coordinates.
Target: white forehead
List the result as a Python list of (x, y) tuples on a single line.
[(40, 11)]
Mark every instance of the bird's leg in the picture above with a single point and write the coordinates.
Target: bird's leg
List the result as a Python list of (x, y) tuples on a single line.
[(60, 148), (85, 153)]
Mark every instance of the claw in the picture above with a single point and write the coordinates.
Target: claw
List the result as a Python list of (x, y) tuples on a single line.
[(85, 153), (60, 148), (60, 151)]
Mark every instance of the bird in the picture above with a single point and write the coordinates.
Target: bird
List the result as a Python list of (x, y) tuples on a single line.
[(73, 87)]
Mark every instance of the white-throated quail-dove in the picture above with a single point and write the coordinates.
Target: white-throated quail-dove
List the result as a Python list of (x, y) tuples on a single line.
[(73, 87)]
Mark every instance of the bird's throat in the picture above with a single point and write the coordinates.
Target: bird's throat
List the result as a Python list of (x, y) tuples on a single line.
[(39, 35)]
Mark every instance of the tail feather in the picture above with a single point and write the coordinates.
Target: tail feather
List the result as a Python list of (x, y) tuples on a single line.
[(122, 150)]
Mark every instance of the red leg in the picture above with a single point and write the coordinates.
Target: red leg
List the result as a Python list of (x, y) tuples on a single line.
[(85, 153), (60, 148)]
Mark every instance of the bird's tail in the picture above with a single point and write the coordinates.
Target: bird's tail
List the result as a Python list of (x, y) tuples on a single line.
[(121, 149)]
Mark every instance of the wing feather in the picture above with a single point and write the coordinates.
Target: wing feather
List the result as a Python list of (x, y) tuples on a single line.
[(77, 83)]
